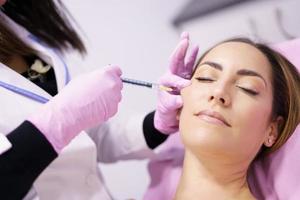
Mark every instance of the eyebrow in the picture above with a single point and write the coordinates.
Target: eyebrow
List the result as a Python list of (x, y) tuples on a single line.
[(242, 72)]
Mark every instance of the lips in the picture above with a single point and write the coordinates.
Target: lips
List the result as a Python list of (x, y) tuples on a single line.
[(213, 117)]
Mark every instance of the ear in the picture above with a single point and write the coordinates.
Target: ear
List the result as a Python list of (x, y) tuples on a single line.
[(273, 129)]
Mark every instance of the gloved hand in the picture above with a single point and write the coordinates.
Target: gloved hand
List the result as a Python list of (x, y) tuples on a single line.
[(86, 101), (165, 117)]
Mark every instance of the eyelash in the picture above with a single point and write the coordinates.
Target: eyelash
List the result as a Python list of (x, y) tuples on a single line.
[(251, 92), (204, 79), (248, 91)]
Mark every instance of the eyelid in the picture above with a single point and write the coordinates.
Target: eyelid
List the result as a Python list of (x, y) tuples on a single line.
[(205, 75), (252, 83), (249, 91)]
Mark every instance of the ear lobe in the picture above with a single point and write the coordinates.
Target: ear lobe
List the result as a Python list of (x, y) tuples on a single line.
[(269, 141), (273, 133)]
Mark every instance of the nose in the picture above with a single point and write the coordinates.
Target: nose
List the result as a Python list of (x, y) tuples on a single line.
[(220, 96)]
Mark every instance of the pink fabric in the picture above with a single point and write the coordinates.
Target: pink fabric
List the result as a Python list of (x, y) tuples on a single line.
[(275, 177), (165, 171), (291, 50)]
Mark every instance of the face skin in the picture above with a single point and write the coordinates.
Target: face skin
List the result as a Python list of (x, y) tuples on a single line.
[(2, 2), (232, 82)]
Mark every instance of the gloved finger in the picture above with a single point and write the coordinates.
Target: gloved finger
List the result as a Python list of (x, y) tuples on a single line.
[(177, 57), (169, 102), (118, 97), (117, 84), (174, 81), (112, 107), (191, 62), (115, 100), (184, 35), (114, 69), (179, 102), (115, 72), (113, 111)]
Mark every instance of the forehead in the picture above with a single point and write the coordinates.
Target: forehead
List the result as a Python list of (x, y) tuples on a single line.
[(239, 55)]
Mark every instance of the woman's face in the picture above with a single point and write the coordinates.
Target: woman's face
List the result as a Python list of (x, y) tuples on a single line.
[(2, 2), (227, 108)]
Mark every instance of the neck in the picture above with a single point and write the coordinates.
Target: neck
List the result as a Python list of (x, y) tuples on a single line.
[(17, 63), (212, 179)]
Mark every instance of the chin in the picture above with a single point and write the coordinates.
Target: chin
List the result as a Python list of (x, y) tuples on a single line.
[(208, 138), (204, 138)]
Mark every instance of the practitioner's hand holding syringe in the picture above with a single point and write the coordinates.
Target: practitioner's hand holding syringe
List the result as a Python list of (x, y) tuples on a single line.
[(178, 76), (86, 101)]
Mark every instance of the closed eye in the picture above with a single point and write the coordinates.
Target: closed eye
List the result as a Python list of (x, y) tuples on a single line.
[(204, 79), (249, 91)]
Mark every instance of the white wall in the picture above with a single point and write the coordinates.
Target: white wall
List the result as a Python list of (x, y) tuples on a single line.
[(234, 21), (138, 36)]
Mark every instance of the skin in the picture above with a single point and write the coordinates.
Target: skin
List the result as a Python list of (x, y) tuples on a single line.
[(233, 81), (18, 64)]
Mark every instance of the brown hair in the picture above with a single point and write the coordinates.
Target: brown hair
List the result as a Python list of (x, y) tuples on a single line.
[(286, 90), (44, 20), (11, 45)]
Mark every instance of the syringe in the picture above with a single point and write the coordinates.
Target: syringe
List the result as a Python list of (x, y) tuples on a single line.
[(148, 84)]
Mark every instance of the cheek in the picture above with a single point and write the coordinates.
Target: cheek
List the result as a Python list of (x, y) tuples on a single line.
[(254, 113), (188, 98), (191, 101), (194, 95), (251, 122)]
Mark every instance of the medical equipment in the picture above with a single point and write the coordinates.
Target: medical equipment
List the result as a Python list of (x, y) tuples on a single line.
[(148, 84)]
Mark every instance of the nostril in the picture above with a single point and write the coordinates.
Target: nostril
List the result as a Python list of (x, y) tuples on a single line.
[(219, 99), (222, 100)]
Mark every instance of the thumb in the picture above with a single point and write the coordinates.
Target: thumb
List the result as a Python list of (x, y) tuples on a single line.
[(113, 69), (171, 80)]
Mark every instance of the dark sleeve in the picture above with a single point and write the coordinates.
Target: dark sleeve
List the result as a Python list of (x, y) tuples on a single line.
[(153, 136), (29, 155)]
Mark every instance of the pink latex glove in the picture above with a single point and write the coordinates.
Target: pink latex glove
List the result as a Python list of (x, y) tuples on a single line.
[(165, 117), (85, 102)]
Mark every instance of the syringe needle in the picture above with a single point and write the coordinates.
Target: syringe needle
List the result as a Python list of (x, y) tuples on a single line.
[(147, 84)]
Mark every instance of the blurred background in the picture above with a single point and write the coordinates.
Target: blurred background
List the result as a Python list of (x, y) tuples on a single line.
[(139, 36)]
